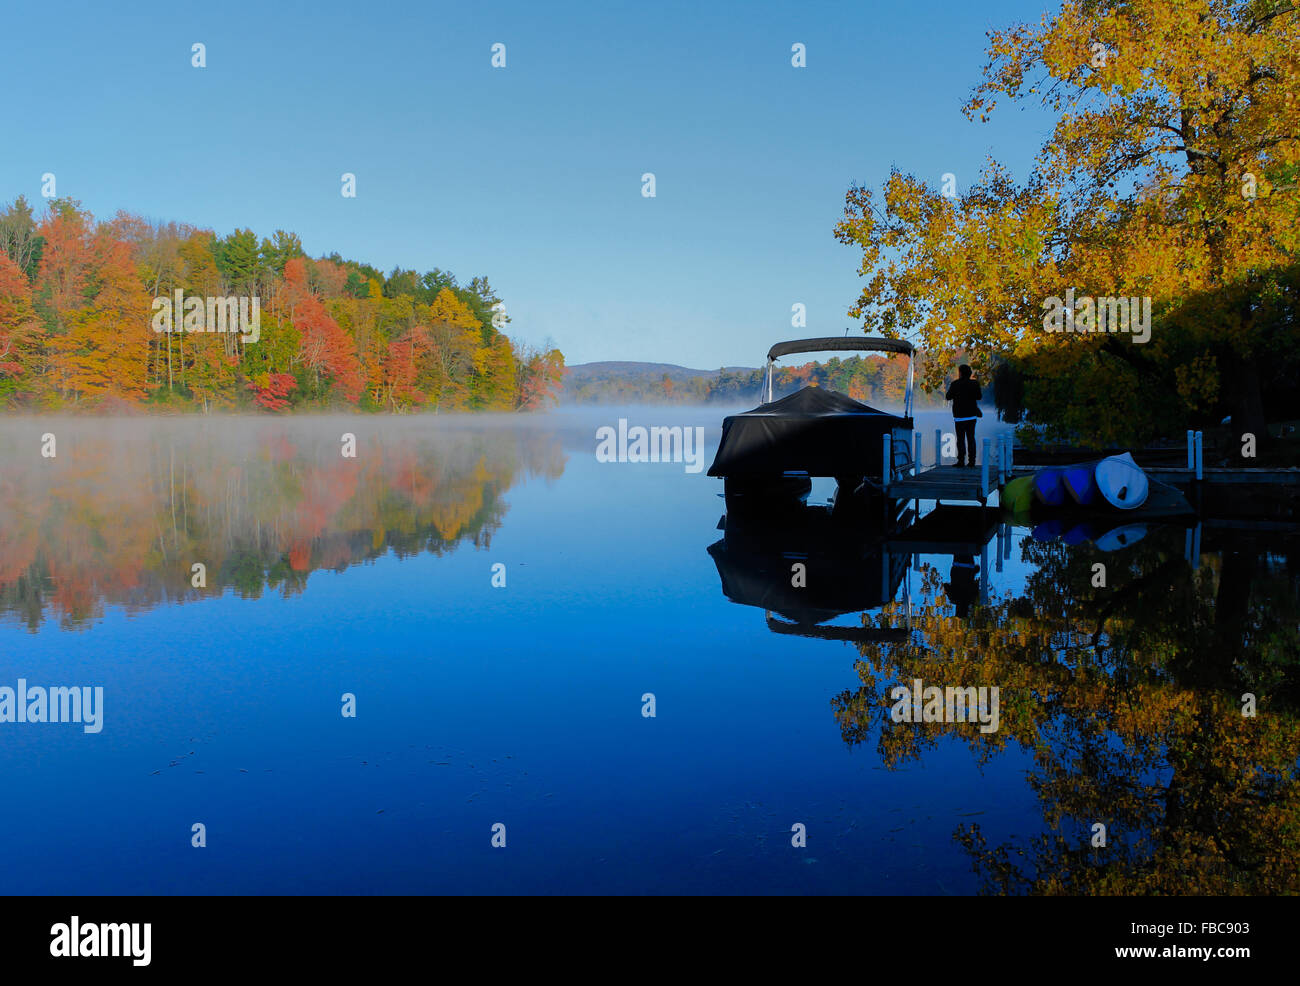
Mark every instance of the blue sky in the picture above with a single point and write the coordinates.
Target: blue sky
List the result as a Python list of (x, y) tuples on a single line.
[(530, 174)]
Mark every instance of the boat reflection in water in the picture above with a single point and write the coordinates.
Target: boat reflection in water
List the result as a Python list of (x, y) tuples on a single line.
[(805, 565)]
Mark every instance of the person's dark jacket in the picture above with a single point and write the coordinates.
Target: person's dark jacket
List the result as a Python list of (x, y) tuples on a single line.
[(964, 395)]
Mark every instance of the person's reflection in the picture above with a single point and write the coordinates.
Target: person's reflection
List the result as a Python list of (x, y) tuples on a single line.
[(961, 587)]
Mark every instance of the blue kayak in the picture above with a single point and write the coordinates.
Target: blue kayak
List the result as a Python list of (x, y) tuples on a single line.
[(1081, 482), (1049, 487)]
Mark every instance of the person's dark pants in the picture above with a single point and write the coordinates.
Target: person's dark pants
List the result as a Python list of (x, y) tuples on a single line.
[(965, 442)]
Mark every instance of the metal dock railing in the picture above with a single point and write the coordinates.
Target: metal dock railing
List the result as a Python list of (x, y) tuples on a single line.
[(911, 481)]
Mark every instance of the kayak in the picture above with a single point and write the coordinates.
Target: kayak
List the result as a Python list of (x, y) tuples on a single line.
[(1121, 482), (1049, 486), (1018, 495), (1116, 480), (1081, 483)]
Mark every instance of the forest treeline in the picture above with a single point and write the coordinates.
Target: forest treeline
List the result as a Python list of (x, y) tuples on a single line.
[(77, 324), (875, 380)]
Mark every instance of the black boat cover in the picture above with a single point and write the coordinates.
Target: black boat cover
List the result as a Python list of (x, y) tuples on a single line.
[(814, 430)]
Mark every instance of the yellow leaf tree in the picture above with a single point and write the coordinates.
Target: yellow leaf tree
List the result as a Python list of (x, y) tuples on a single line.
[(1171, 174)]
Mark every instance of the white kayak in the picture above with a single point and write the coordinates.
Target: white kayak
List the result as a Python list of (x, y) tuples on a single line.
[(1121, 482)]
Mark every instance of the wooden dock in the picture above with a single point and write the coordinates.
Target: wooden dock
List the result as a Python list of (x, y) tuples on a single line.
[(1217, 476), (944, 483), (907, 480)]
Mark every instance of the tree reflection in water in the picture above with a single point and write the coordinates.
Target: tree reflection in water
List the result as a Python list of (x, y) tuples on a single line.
[(1129, 698), (125, 508)]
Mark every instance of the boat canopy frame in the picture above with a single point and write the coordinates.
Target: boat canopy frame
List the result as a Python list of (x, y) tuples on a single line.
[(842, 344)]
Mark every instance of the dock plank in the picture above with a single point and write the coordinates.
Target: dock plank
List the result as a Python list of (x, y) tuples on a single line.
[(943, 483)]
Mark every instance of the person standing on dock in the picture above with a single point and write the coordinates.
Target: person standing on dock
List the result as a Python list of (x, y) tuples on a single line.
[(964, 392)]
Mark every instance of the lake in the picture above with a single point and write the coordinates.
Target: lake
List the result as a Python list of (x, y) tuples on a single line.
[(389, 662)]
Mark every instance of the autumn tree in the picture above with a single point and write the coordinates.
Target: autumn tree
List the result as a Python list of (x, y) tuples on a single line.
[(63, 277), (541, 378), (20, 329), (1171, 173), (95, 308), (456, 338), (325, 350), (104, 350)]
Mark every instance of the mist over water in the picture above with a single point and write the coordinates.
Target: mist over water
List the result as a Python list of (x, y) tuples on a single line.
[(124, 508)]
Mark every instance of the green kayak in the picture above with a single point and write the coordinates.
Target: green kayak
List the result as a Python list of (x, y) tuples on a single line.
[(1018, 495)]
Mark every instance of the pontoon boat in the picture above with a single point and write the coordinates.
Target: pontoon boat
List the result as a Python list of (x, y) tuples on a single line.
[(769, 455)]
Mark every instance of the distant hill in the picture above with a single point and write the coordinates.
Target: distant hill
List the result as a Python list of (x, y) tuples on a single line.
[(618, 369), (872, 378), (630, 382)]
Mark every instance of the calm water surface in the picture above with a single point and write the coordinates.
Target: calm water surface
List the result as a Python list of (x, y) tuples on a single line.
[(522, 705)]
